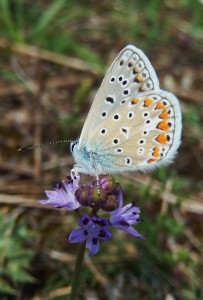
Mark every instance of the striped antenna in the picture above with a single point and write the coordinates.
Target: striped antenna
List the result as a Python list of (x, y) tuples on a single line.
[(43, 145)]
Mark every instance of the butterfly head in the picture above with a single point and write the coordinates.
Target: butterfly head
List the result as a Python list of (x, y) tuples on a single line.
[(82, 157), (73, 144)]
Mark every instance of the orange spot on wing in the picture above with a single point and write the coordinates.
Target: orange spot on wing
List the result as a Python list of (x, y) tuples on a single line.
[(162, 138), (151, 160), (164, 114), (136, 70), (163, 125), (156, 152), (139, 78), (142, 88), (135, 101), (159, 105), (148, 102)]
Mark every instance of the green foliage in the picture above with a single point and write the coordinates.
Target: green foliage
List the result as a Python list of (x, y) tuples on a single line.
[(15, 253), (47, 17), (63, 25)]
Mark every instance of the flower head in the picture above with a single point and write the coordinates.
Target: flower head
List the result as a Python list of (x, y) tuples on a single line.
[(101, 194), (92, 230), (64, 195)]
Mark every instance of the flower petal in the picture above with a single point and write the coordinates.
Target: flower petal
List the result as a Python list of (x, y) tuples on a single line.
[(134, 232), (77, 236), (92, 244), (62, 198)]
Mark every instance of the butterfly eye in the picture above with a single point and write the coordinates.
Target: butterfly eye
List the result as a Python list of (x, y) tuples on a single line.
[(72, 145)]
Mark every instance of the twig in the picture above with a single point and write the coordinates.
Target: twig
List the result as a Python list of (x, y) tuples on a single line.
[(30, 50)]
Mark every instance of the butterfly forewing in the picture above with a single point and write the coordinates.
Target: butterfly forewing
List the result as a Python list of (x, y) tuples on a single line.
[(131, 73)]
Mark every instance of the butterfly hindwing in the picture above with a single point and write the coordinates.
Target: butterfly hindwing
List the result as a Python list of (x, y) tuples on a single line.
[(141, 134)]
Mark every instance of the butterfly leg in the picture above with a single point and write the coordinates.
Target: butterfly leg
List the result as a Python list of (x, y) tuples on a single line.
[(98, 184), (75, 175)]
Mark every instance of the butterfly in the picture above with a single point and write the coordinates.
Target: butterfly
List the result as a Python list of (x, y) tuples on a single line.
[(132, 125)]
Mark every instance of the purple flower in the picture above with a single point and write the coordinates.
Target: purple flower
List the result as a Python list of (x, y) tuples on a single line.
[(63, 196), (92, 229), (123, 217)]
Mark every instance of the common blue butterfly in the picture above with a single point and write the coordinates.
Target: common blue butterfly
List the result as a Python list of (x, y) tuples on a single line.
[(132, 125)]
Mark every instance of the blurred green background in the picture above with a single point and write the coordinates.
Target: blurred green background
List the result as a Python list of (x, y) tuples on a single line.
[(53, 55)]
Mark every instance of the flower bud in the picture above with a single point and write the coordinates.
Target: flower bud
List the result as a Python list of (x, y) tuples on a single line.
[(84, 195), (107, 183), (110, 204)]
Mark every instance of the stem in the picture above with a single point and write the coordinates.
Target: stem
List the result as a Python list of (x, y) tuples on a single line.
[(76, 275)]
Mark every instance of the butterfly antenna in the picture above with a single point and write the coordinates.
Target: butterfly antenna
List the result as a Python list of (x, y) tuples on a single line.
[(43, 145)]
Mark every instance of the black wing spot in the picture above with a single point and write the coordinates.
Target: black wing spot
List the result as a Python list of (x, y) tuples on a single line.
[(115, 141), (103, 131), (126, 92), (130, 115), (110, 100), (116, 117), (104, 114)]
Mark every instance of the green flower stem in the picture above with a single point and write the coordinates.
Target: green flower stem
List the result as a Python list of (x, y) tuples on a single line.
[(76, 275)]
